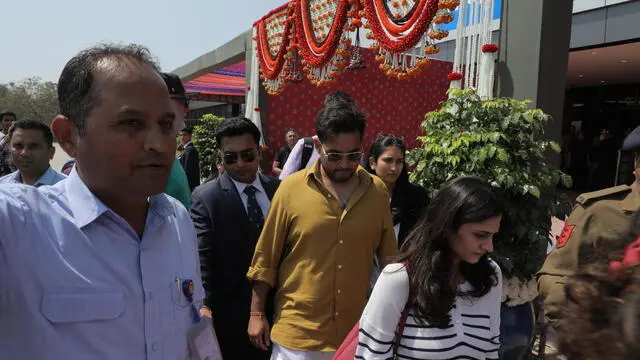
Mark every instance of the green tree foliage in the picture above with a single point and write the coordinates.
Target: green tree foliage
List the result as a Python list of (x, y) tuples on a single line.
[(204, 139), (500, 140), (31, 98)]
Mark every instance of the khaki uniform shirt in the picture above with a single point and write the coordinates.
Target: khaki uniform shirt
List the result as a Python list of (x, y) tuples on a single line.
[(319, 257), (597, 218)]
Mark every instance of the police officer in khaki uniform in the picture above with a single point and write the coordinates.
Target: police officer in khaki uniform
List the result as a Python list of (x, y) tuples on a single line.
[(597, 218)]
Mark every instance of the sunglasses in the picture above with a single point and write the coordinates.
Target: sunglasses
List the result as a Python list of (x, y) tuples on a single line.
[(336, 157), (247, 156)]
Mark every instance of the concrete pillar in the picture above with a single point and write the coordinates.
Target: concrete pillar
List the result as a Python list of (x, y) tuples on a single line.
[(534, 55)]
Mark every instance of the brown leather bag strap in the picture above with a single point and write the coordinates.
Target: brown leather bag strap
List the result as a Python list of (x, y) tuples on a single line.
[(404, 316)]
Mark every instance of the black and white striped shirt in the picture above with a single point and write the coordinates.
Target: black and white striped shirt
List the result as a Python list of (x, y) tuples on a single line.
[(474, 332)]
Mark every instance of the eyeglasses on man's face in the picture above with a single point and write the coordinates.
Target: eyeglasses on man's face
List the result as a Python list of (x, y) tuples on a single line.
[(336, 156), (248, 155)]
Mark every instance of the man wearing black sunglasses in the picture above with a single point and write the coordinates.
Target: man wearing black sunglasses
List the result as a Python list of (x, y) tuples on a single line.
[(228, 214)]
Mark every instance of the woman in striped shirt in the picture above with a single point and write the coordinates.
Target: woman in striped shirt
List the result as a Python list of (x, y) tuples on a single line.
[(454, 303)]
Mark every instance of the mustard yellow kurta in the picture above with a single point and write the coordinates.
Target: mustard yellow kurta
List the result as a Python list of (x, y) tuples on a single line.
[(319, 257)]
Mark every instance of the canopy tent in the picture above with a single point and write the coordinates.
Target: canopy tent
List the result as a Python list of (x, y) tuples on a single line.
[(222, 85)]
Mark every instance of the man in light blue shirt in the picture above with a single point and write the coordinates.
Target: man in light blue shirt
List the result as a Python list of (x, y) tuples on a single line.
[(102, 265), (31, 147)]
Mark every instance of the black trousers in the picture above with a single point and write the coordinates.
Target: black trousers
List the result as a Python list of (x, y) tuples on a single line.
[(234, 341)]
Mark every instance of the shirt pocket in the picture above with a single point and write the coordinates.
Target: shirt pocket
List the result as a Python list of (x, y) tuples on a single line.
[(179, 296), (82, 306)]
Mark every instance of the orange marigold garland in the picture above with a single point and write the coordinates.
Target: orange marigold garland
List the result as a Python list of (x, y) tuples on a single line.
[(442, 17), (396, 27), (399, 25), (323, 43), (431, 49), (448, 4), (273, 35)]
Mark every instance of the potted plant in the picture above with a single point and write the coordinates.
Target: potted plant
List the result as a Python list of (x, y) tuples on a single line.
[(501, 140), (204, 139)]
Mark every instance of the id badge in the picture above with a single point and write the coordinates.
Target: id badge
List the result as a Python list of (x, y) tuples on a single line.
[(203, 343)]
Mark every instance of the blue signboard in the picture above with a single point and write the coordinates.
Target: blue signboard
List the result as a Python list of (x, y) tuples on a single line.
[(497, 10)]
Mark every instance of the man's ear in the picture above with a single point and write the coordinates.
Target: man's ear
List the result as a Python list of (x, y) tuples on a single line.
[(67, 134), (317, 144), (52, 152)]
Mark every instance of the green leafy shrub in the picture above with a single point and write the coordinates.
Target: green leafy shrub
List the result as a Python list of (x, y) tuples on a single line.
[(204, 139), (500, 140)]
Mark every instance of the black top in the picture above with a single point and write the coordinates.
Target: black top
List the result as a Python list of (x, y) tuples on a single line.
[(190, 161), (407, 205), (283, 155)]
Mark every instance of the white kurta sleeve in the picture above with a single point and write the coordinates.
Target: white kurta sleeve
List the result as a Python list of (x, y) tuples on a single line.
[(380, 318)]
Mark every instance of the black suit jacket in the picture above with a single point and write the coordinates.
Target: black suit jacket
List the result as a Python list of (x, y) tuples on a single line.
[(226, 245), (190, 162)]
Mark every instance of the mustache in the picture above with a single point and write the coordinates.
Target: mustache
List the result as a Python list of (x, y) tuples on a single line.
[(153, 161)]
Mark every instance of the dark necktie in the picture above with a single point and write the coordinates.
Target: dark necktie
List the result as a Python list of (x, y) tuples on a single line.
[(256, 219)]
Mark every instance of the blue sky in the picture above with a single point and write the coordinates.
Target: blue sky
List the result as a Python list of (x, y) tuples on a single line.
[(39, 36)]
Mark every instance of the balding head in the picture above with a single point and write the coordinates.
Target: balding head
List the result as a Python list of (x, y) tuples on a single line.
[(78, 88)]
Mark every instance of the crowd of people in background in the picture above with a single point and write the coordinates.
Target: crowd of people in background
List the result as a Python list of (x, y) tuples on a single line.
[(127, 254)]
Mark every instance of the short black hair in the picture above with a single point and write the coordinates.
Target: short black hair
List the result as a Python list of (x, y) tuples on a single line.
[(77, 93), (237, 126), (337, 98), (339, 118), (187, 130), (33, 125), (7, 113)]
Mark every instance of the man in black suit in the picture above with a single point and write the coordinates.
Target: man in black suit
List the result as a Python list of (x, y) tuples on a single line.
[(228, 214), (189, 159)]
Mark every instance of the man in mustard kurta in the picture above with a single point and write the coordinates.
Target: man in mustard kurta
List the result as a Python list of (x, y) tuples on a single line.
[(325, 226)]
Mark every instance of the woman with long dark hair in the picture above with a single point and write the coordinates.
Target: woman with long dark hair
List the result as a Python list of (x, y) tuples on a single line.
[(445, 279), (408, 201)]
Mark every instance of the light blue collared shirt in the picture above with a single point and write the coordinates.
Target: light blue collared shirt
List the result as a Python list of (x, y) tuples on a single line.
[(50, 177), (77, 282)]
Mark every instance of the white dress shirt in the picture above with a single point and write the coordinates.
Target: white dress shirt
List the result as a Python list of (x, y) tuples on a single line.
[(261, 195)]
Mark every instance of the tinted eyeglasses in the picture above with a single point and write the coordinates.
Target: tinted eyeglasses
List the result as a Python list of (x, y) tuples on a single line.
[(231, 158), (336, 157)]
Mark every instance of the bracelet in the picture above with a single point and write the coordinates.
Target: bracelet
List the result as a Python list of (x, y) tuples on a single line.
[(256, 314)]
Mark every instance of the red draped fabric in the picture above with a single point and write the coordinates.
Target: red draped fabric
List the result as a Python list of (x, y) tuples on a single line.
[(391, 105)]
